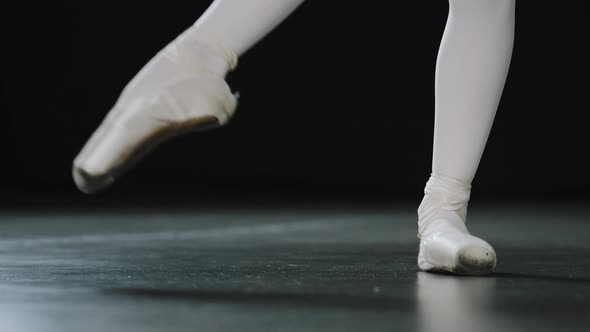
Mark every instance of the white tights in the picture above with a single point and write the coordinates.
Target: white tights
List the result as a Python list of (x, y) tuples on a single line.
[(241, 24), (471, 67), (471, 70)]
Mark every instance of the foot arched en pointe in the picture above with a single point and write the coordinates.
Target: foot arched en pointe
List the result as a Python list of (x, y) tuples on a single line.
[(182, 89)]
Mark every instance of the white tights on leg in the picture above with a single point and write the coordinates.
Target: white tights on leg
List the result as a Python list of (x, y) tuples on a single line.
[(471, 71), (241, 24)]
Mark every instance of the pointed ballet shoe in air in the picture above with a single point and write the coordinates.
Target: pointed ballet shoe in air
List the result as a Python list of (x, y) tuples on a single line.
[(445, 243), (182, 89)]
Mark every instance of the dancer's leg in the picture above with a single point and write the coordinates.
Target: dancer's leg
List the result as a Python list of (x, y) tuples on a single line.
[(470, 74), (241, 24), (471, 71), (181, 89)]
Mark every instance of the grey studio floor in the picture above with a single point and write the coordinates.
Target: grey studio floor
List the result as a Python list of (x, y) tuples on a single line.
[(287, 268)]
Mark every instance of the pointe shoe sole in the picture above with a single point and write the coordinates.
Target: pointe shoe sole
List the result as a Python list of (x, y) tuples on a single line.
[(89, 183)]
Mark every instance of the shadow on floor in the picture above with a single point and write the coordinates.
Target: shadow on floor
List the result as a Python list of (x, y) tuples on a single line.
[(565, 279), (255, 297)]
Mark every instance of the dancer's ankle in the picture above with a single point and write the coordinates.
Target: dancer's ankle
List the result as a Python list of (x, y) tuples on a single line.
[(210, 50), (445, 197)]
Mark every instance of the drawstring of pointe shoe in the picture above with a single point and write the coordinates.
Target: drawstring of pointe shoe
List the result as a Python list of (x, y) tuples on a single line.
[(443, 192)]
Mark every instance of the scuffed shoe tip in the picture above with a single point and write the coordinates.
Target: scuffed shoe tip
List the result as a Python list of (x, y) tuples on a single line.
[(475, 261), (90, 184)]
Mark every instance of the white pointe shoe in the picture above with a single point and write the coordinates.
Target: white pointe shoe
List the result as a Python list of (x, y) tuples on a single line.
[(181, 89), (445, 243)]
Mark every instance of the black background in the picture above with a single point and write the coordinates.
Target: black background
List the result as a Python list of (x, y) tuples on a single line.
[(339, 100)]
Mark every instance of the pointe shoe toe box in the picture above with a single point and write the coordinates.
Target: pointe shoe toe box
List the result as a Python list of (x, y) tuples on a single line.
[(88, 183), (456, 253), (135, 127), (475, 260)]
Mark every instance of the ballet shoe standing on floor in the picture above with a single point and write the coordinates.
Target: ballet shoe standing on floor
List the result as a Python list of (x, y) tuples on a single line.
[(181, 89), (445, 243)]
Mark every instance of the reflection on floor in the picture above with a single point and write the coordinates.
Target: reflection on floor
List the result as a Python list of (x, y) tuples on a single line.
[(287, 269)]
